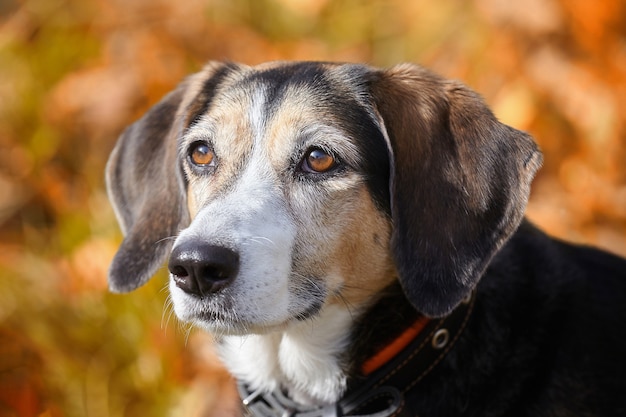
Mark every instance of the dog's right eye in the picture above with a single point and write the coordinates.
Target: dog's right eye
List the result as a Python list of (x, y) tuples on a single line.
[(318, 161), (201, 155)]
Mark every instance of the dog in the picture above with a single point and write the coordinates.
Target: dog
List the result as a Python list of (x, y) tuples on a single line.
[(354, 238)]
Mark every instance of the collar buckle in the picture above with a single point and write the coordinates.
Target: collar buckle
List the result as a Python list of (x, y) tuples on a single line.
[(381, 402)]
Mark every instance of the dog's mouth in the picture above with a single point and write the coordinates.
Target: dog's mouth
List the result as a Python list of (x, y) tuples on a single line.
[(227, 323), (222, 315)]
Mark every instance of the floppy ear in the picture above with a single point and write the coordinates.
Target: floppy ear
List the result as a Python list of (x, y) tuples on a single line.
[(145, 183), (147, 193), (459, 184)]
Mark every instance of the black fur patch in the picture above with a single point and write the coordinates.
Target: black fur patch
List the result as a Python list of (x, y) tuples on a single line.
[(202, 102)]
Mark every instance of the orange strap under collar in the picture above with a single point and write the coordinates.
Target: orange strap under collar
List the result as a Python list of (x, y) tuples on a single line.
[(395, 347)]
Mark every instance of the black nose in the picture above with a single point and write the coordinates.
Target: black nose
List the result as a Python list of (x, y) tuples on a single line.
[(202, 269)]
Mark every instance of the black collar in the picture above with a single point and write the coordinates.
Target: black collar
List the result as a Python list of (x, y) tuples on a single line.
[(380, 393)]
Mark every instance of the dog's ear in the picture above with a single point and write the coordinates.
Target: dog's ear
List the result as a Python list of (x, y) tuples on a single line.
[(147, 193), (459, 184)]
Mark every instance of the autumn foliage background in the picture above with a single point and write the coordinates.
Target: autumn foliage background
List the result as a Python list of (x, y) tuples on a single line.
[(74, 73)]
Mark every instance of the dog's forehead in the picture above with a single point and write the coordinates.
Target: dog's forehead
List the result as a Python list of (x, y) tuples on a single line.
[(314, 86), (273, 99), (318, 76)]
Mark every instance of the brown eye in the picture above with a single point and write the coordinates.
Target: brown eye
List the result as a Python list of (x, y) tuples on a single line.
[(318, 161), (201, 155)]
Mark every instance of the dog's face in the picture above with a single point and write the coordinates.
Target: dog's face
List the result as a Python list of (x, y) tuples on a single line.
[(279, 178), (295, 186)]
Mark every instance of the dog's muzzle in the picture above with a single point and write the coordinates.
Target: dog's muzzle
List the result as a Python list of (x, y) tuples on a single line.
[(201, 269)]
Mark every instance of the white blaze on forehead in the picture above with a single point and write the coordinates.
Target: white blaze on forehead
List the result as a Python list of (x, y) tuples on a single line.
[(257, 112)]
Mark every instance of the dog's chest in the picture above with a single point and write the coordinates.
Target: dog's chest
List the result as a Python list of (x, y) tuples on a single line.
[(305, 359)]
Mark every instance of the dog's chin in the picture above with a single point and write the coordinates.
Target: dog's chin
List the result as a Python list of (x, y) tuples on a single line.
[(219, 323), (224, 328)]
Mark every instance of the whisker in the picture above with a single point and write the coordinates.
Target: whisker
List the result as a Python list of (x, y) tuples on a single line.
[(261, 240), (188, 334), (181, 326), (349, 306), (360, 288), (166, 238), (168, 309)]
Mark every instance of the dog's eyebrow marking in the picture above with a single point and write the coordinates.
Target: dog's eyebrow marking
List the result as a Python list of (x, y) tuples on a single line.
[(203, 100), (201, 131)]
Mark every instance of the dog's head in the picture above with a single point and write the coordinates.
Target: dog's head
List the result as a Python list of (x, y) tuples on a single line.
[(279, 189)]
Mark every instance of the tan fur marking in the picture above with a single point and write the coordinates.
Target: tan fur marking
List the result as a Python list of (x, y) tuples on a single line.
[(362, 254), (229, 130)]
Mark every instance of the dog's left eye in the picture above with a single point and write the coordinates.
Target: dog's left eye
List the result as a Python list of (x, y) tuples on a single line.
[(318, 161), (201, 155)]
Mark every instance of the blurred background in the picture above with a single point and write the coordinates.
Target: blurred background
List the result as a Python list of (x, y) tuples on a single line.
[(74, 73)]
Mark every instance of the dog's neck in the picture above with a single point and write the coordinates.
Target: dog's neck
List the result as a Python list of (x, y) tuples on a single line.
[(313, 360), (306, 359)]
